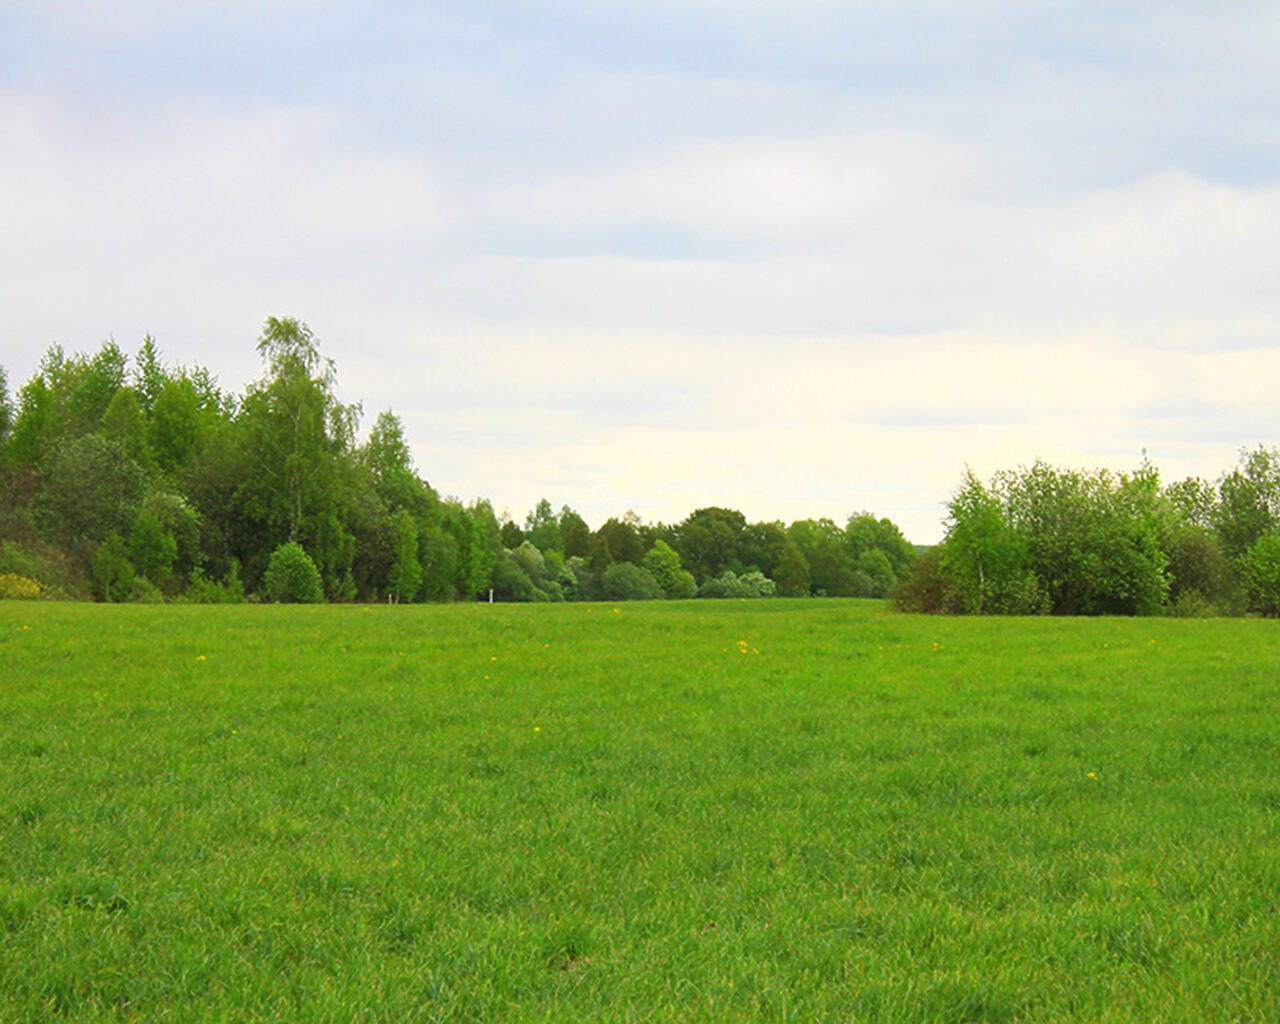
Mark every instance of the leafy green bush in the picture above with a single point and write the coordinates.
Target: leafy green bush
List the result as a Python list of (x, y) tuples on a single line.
[(1200, 569), (567, 581), (1191, 604), (512, 583), (931, 588), (1261, 564), (292, 577), (20, 560), (586, 580), (152, 548), (757, 584), (113, 573), (624, 581), (1072, 542), (730, 584), (727, 584), (202, 590), (143, 591), (663, 564), (19, 588)]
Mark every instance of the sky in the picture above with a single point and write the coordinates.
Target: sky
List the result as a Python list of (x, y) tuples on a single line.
[(801, 258)]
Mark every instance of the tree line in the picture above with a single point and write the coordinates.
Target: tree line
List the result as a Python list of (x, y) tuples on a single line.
[(1041, 539), (135, 480)]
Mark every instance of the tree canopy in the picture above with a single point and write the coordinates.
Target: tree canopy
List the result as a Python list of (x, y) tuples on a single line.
[(1042, 538), (133, 479)]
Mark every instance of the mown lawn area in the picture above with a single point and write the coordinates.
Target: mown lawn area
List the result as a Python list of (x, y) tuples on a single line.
[(703, 811)]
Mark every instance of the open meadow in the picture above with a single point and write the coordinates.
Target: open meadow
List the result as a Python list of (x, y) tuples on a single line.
[(720, 810)]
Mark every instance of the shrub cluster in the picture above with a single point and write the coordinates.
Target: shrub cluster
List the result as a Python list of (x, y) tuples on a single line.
[(127, 479), (292, 577), (1043, 539)]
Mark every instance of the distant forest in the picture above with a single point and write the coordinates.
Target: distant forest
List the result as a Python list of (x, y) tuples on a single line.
[(136, 480)]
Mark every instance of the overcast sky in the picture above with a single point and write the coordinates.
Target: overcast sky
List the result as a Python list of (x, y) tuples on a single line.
[(799, 258)]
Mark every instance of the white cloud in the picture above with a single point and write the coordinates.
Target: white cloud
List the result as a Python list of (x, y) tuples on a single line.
[(796, 292)]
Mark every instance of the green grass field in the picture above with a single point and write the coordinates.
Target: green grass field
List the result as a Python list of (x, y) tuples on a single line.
[(708, 811)]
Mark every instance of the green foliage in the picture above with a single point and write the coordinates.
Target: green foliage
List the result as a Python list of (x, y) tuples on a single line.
[(1261, 564), (327, 537), (575, 535), (567, 580), (66, 399), (125, 424), (825, 550), (932, 587), (987, 557), (762, 546), (19, 588), (202, 590), (178, 424), (299, 435), (1194, 502), (624, 581), (41, 566), (386, 452), (791, 573), (152, 548), (708, 541), (143, 591), (406, 571), (1093, 538), (439, 557), (531, 560), (879, 550), (586, 580), (479, 540), (511, 582), (1201, 574), (34, 428), (663, 564), (512, 535), (621, 539), (6, 411), (197, 481), (730, 584), (542, 528), (112, 573), (1073, 543), (292, 577), (92, 488), (758, 583), (1249, 500), (1191, 604), (149, 375), (183, 523)]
